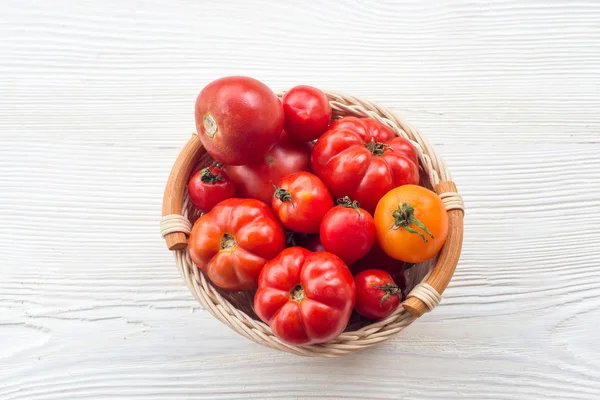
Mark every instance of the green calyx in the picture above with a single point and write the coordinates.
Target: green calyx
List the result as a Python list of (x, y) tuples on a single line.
[(346, 202), (207, 176), (404, 216), (389, 290), (282, 194), (376, 148)]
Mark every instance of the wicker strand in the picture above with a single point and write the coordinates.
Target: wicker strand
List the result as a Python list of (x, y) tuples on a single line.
[(452, 201), (175, 223), (347, 342), (427, 294)]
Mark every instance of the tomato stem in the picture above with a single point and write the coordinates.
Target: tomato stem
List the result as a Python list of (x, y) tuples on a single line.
[(404, 216), (346, 202), (283, 194), (376, 148), (297, 293), (228, 241), (389, 289), (207, 176)]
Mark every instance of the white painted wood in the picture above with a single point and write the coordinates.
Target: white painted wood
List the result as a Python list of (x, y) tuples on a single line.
[(96, 100)]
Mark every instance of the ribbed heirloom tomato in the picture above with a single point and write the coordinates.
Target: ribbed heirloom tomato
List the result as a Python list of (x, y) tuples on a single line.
[(363, 159), (411, 223), (234, 241), (256, 180), (208, 187), (305, 297), (300, 202)]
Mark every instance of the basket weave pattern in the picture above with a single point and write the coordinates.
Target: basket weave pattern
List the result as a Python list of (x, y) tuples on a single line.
[(235, 310)]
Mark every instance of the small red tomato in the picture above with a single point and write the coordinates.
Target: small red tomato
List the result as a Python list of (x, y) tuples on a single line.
[(307, 112), (347, 231), (300, 202), (256, 180), (377, 296), (309, 242), (208, 187), (238, 119), (305, 297)]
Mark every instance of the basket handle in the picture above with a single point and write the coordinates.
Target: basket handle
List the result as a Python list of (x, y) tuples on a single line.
[(447, 259), (176, 185)]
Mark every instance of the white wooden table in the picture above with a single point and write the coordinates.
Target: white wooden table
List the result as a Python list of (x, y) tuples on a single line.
[(96, 100)]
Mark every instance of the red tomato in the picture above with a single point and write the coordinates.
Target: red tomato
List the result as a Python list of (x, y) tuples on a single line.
[(208, 187), (233, 242), (256, 180), (363, 159), (307, 112), (309, 242), (300, 202), (347, 231), (238, 119), (305, 297), (377, 296), (377, 259)]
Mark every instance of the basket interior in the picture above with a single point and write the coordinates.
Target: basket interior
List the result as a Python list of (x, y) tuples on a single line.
[(243, 301)]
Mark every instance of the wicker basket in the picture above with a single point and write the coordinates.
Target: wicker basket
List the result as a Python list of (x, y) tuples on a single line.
[(235, 309)]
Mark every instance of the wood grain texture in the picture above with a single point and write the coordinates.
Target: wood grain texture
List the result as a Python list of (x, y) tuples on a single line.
[(96, 100)]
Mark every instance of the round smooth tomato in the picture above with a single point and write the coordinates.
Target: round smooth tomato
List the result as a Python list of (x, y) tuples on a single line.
[(363, 159), (309, 242), (377, 295), (377, 259), (233, 241), (307, 112), (411, 223), (256, 180), (238, 119), (208, 187), (347, 231), (305, 297), (300, 202)]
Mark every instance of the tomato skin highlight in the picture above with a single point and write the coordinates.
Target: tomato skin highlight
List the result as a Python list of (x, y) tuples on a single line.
[(363, 159), (233, 241), (411, 223), (307, 112), (238, 119), (306, 298), (300, 202), (208, 187), (377, 295), (347, 231), (256, 180)]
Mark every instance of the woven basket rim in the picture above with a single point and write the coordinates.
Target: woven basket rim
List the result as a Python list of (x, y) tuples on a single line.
[(349, 341)]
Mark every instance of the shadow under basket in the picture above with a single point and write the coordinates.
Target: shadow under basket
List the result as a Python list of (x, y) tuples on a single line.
[(425, 282)]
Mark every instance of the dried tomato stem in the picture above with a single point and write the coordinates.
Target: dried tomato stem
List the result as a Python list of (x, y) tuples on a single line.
[(297, 293), (404, 216), (376, 148), (389, 289), (346, 202), (207, 176)]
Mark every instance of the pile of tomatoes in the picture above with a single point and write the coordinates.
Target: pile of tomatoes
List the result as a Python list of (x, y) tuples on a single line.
[(320, 217)]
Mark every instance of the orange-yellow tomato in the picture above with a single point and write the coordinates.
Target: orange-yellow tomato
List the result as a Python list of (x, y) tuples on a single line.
[(411, 223)]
